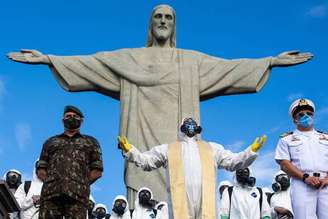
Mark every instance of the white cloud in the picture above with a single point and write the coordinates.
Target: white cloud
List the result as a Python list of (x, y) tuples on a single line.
[(273, 130), (23, 135), (96, 188), (235, 146), (265, 167), (293, 96), (318, 11)]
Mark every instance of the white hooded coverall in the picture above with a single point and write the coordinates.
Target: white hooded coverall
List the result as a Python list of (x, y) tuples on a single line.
[(25, 201), (245, 203), (141, 212), (126, 214), (163, 213)]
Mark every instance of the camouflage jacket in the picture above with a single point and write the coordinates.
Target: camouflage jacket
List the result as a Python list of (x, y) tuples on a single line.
[(68, 161)]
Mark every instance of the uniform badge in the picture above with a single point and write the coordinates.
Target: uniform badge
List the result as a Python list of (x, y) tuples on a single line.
[(254, 195), (295, 138), (323, 137)]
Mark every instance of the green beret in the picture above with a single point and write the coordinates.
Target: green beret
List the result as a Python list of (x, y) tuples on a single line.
[(70, 108)]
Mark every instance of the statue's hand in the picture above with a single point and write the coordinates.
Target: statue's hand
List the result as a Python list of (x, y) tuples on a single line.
[(290, 58), (29, 57)]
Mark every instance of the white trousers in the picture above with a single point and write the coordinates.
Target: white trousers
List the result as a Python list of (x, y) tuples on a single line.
[(307, 202)]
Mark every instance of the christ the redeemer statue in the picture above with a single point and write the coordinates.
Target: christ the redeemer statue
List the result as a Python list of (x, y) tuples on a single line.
[(158, 86)]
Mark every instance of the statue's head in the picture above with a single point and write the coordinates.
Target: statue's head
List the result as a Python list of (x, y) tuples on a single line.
[(162, 26)]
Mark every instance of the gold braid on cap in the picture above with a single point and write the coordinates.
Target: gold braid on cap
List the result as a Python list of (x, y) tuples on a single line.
[(303, 102)]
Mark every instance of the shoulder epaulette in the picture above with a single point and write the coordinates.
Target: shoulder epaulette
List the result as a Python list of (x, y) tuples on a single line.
[(322, 132), (285, 134)]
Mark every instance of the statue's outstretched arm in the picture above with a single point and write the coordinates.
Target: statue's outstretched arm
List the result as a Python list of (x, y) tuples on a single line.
[(29, 57), (290, 58)]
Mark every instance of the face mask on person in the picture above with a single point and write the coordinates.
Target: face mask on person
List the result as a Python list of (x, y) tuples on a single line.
[(100, 213), (13, 179), (72, 123), (190, 128), (119, 207), (243, 177), (144, 198), (305, 120), (282, 183)]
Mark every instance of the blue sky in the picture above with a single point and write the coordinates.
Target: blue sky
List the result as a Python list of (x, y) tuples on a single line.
[(31, 101)]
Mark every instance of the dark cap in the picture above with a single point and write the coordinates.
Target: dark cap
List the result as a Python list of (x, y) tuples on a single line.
[(70, 108)]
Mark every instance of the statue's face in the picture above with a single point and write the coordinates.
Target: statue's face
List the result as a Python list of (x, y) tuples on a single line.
[(162, 23)]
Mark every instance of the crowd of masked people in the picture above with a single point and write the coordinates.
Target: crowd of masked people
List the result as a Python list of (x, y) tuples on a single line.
[(28, 193), (241, 198), (237, 197)]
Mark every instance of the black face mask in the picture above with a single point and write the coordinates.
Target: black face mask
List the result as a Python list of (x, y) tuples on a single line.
[(282, 183), (119, 207), (242, 176), (72, 123), (13, 180), (144, 198), (100, 213), (190, 128)]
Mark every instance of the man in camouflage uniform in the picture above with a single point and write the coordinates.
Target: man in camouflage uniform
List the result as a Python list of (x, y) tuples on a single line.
[(71, 162)]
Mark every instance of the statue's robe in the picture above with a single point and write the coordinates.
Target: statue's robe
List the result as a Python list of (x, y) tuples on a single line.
[(157, 88)]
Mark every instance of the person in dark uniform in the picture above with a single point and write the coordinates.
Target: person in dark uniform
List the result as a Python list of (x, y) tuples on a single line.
[(70, 163)]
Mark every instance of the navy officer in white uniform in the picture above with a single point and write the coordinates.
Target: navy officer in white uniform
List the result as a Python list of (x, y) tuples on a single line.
[(303, 155)]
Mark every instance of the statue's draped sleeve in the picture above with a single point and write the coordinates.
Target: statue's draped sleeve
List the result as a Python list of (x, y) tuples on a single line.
[(85, 73), (220, 77)]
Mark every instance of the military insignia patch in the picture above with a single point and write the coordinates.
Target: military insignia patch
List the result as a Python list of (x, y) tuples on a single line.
[(254, 194), (285, 134)]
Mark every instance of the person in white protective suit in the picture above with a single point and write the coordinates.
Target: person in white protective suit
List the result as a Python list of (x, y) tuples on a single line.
[(191, 167), (303, 155), (223, 185), (13, 179), (162, 210), (28, 196), (268, 192), (100, 211), (143, 206), (280, 202), (120, 208), (244, 200)]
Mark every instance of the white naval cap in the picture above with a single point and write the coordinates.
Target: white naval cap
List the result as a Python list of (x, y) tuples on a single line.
[(300, 103)]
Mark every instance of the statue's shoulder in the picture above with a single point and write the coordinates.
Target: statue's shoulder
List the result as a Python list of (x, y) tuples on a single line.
[(285, 134)]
